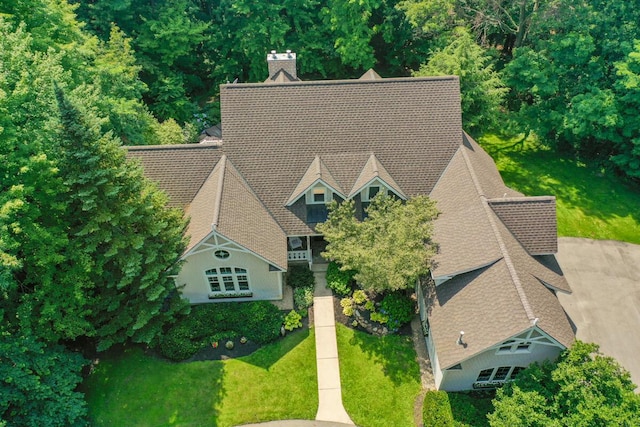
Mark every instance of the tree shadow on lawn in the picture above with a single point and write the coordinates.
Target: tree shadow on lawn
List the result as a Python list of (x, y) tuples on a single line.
[(394, 352), (268, 355), (538, 171), (128, 387)]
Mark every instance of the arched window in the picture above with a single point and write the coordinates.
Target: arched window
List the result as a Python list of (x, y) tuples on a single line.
[(227, 279)]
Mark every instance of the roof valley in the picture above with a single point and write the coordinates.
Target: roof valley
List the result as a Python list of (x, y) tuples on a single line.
[(505, 254), (218, 203)]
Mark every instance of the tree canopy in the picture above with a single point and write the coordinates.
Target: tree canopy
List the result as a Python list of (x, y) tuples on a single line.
[(583, 388), (390, 248)]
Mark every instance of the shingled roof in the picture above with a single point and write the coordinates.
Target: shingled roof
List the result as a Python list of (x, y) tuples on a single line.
[(496, 288), (179, 170), (412, 125), (225, 204)]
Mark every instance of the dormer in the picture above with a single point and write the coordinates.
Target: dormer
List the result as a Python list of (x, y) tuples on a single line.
[(318, 187), (374, 179)]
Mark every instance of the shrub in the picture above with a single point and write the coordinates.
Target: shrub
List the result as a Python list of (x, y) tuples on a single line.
[(300, 276), (436, 410), (399, 307), (259, 321), (340, 282), (229, 345), (347, 306), (179, 343), (359, 296), (303, 312), (379, 317), (303, 297), (292, 321), (370, 306)]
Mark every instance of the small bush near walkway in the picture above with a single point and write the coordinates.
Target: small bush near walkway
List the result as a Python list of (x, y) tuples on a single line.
[(340, 282), (259, 321), (463, 409)]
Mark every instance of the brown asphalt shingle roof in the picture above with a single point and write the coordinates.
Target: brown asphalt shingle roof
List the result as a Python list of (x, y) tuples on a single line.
[(372, 170), (316, 172), (502, 288), (179, 170), (412, 125), (226, 204), (532, 220)]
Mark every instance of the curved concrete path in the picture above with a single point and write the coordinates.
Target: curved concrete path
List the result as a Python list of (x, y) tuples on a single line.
[(604, 306)]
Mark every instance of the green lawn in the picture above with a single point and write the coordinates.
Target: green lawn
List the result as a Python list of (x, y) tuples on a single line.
[(590, 203), (380, 378), (276, 382)]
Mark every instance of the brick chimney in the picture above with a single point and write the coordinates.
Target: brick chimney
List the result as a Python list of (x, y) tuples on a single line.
[(282, 61)]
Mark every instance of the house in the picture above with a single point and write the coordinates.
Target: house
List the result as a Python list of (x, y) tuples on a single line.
[(256, 192)]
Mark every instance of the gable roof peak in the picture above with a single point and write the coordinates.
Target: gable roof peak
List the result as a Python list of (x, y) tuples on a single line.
[(316, 172), (370, 74), (372, 170)]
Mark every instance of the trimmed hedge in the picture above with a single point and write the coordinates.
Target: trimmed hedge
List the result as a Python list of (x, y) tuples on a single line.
[(259, 321), (436, 411), (340, 282)]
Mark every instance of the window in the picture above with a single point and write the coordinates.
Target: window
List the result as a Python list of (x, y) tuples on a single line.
[(373, 190), (501, 373), (516, 371), (221, 254), (317, 213), (227, 279), (318, 195), (485, 375), (513, 346)]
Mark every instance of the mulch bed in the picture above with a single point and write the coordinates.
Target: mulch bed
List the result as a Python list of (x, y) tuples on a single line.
[(239, 350), (348, 321)]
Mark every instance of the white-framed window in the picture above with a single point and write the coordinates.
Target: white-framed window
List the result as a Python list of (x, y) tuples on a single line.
[(498, 375), (514, 346), (318, 195), (227, 279)]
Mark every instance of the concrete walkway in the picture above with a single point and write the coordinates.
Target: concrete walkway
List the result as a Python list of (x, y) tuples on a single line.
[(330, 406)]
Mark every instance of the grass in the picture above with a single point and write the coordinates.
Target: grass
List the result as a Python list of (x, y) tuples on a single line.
[(590, 202), (129, 388), (380, 378), (464, 409)]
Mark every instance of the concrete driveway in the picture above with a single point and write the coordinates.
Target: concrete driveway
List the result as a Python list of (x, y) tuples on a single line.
[(605, 304)]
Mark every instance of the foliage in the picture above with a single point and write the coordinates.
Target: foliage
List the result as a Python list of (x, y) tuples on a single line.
[(481, 88), (339, 280), (303, 298), (259, 321), (379, 317), (471, 408), (399, 307), (300, 276), (123, 390), (590, 202), (380, 378), (359, 296), (347, 306), (390, 249), (583, 388), (436, 409), (292, 321), (38, 383)]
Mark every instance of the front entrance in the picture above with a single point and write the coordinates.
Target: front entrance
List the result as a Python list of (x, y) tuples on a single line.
[(318, 245)]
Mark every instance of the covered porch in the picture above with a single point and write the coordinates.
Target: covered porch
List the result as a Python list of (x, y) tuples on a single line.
[(306, 249)]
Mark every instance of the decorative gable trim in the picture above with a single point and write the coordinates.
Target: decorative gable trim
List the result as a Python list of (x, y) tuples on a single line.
[(317, 173), (373, 171)]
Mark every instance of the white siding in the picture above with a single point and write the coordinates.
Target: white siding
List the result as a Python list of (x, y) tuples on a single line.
[(463, 379), (192, 282)]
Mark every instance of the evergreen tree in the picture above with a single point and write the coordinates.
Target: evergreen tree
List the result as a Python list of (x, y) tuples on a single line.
[(114, 283)]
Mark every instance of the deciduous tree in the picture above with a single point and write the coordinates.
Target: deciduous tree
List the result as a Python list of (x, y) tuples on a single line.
[(583, 388), (390, 249)]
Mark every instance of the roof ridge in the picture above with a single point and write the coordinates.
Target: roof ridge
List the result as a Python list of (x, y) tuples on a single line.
[(519, 199), (218, 202), (503, 248)]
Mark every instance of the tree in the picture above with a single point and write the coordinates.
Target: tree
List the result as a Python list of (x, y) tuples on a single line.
[(583, 388), (481, 88), (38, 383), (390, 249)]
